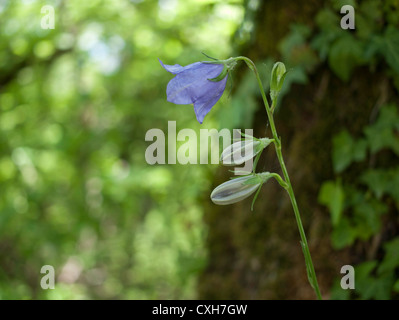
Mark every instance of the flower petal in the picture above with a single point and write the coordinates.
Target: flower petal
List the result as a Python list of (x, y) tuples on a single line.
[(192, 83), (175, 69), (205, 103)]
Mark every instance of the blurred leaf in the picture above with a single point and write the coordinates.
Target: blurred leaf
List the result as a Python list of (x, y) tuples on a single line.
[(328, 20), (367, 218), (337, 293), (378, 180), (342, 235), (387, 45), (346, 151), (369, 287), (345, 55), (382, 134), (332, 195), (338, 4), (391, 48), (391, 258), (322, 42), (294, 48)]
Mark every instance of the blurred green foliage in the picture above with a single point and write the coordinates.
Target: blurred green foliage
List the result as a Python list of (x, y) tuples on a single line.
[(359, 205), (357, 209), (75, 104), (376, 36)]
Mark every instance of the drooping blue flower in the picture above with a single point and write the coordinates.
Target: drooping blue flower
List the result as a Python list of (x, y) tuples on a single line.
[(192, 85)]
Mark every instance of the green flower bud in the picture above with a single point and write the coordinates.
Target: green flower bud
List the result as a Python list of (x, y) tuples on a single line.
[(235, 190), (242, 151), (277, 79)]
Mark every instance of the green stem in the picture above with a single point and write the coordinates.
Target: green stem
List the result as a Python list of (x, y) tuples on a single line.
[(277, 142), (280, 180)]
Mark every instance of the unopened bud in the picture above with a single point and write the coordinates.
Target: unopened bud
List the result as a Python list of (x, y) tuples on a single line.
[(242, 151), (238, 189), (233, 191), (277, 79)]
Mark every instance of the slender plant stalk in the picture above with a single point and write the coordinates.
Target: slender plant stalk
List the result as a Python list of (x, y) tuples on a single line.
[(277, 143)]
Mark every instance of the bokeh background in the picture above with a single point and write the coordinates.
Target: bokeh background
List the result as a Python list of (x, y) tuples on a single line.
[(76, 191)]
